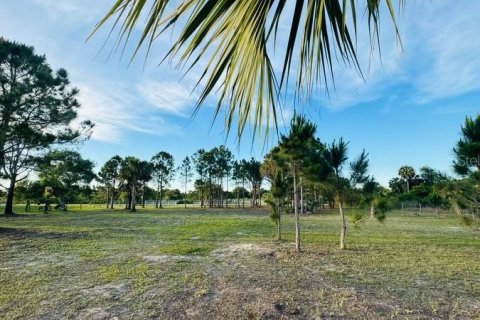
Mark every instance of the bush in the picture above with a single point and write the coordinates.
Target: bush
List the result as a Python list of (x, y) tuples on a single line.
[(466, 221), (356, 216), (381, 205), (184, 202)]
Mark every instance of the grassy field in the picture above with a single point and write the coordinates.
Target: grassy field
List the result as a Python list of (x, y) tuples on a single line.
[(215, 264)]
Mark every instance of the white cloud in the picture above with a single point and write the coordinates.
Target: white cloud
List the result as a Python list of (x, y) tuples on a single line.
[(108, 111), (439, 59), (170, 97), (379, 73), (64, 6), (81, 11), (448, 40), (114, 109)]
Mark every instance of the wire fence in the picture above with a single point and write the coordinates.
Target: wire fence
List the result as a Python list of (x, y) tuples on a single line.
[(419, 208), (232, 203)]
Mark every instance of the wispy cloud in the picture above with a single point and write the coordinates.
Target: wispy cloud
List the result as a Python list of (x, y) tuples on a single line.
[(114, 109), (439, 58), (64, 6), (448, 46), (167, 96), (83, 11)]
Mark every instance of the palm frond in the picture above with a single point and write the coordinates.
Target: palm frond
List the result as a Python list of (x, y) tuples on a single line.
[(232, 36)]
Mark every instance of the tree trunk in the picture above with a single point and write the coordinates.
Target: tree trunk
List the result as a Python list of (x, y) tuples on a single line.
[(220, 193), (210, 194), (302, 207), (253, 195), (63, 203), (456, 208), (243, 193), (46, 207), (279, 225), (238, 197), (372, 210), (9, 204), (161, 196), (185, 197), (143, 195), (297, 215), (113, 194), (128, 205), (134, 200), (226, 201), (343, 230)]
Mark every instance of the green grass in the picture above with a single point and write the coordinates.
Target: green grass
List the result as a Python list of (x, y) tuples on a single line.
[(193, 263)]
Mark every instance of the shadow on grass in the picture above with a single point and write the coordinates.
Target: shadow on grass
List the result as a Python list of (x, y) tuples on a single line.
[(19, 233)]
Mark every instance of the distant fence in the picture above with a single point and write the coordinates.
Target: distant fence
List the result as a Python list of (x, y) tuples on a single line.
[(418, 208), (152, 203), (197, 203)]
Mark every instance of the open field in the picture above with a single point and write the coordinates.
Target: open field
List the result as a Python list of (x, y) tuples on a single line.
[(223, 264)]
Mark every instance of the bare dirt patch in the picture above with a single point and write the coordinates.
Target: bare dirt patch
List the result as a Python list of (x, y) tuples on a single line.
[(242, 249), (171, 258), (109, 291), (38, 259), (96, 314)]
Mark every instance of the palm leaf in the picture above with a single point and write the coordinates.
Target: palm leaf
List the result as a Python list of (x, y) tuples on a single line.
[(232, 36)]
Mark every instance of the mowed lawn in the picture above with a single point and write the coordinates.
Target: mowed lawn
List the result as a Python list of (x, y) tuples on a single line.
[(225, 264)]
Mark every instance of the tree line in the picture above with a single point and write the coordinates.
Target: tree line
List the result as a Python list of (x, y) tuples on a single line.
[(69, 177), (216, 171), (38, 108)]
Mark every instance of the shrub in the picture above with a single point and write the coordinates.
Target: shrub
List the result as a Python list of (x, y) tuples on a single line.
[(184, 202)]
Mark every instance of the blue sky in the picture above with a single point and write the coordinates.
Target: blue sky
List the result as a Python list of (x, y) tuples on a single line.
[(407, 111)]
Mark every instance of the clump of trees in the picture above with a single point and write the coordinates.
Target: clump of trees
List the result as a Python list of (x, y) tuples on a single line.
[(134, 174), (302, 165), (37, 107), (420, 189), (163, 171), (109, 176), (65, 172), (432, 188), (216, 168)]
